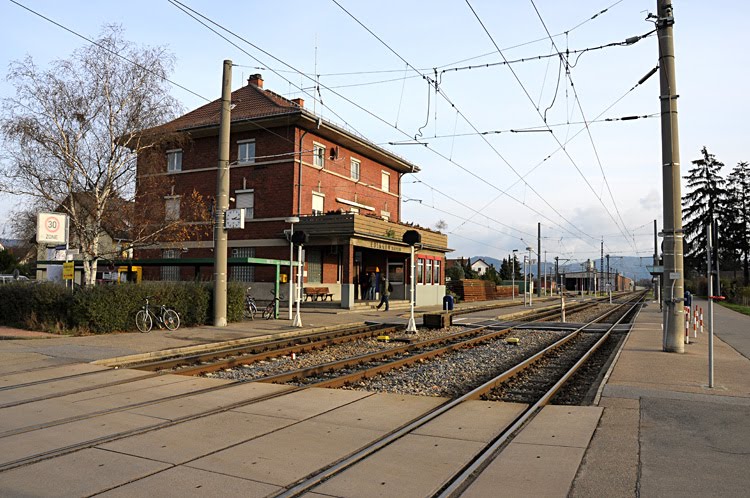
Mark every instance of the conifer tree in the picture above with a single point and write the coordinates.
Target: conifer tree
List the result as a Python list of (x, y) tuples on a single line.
[(738, 223), (704, 201)]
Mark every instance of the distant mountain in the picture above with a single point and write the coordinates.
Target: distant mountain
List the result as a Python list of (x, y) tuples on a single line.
[(629, 266)]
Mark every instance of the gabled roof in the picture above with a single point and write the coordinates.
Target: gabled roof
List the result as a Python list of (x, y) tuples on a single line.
[(250, 102), (253, 104)]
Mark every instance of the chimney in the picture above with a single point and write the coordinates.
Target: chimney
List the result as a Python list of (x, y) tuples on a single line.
[(299, 102), (255, 79)]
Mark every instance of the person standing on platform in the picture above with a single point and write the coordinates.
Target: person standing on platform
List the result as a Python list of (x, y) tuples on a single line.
[(385, 292), (373, 284)]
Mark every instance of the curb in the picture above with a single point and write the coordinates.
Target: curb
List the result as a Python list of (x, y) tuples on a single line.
[(124, 361)]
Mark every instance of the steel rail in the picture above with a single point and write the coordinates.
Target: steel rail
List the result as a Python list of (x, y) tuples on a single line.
[(481, 461), (312, 481)]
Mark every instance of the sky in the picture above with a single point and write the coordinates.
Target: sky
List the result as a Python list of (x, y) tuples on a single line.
[(376, 65)]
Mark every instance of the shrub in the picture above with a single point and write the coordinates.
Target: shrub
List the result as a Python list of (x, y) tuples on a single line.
[(51, 307)]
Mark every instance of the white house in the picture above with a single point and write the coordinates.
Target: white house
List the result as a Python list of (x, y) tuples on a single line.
[(480, 266)]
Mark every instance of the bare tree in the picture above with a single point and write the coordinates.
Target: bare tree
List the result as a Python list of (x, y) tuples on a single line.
[(72, 132)]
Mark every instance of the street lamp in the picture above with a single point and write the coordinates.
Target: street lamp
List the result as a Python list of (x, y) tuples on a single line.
[(412, 237), (300, 239), (513, 275), (291, 220)]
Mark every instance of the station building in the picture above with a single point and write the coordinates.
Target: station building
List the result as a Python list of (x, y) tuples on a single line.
[(286, 161)]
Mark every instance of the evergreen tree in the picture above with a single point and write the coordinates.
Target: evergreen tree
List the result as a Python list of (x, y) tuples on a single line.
[(705, 201), (505, 270), (737, 233)]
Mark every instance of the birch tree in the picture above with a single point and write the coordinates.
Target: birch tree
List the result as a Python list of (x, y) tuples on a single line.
[(72, 132)]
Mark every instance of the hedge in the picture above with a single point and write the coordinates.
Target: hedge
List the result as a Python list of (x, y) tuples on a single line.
[(101, 309)]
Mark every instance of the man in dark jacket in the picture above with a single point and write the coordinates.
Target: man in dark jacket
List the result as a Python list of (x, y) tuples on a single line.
[(385, 292)]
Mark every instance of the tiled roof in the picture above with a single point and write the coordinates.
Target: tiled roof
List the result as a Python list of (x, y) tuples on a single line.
[(249, 102)]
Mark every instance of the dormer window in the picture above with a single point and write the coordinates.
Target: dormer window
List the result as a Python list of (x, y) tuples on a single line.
[(174, 160)]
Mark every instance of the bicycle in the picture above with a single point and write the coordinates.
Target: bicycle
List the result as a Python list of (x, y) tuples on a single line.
[(270, 310), (250, 307), (165, 317)]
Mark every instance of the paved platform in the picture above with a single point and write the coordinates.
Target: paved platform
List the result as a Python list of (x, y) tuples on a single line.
[(658, 430), (663, 431)]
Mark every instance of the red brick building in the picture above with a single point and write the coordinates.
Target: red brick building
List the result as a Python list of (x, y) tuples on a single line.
[(286, 161)]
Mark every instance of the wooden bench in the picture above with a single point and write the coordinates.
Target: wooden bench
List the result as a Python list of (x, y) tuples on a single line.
[(317, 292)]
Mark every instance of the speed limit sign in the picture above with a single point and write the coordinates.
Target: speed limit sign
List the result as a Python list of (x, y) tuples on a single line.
[(51, 228)]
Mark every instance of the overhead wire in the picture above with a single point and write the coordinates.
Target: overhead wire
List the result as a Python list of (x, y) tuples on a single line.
[(444, 95), (588, 129), (525, 91), (193, 13)]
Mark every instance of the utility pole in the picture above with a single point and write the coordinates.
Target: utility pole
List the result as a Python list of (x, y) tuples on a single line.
[(222, 201), (674, 283), (539, 258), (601, 267), (657, 286)]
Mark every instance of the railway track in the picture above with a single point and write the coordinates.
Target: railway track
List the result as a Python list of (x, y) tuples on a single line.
[(471, 335), (463, 479)]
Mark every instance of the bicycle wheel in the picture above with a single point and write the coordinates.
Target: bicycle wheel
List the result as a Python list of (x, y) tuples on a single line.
[(143, 321), (269, 312), (171, 319), (250, 311)]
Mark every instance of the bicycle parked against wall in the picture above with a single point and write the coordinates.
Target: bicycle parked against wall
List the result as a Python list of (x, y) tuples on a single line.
[(270, 310), (250, 307), (162, 315)]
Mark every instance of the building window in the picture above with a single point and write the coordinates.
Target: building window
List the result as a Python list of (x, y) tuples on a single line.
[(246, 201), (244, 273), (172, 208), (437, 272), (319, 155), (174, 160), (355, 170), (385, 181), (171, 273), (420, 270), (385, 215), (428, 272), (246, 151), (318, 203)]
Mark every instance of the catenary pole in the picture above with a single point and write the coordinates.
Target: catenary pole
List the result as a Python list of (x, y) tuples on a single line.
[(539, 258), (674, 284), (222, 201)]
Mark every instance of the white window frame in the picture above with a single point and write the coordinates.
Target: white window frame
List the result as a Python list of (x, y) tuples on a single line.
[(385, 215), (246, 193), (319, 155), (355, 169), (174, 160), (245, 144), (322, 197), (172, 208), (436, 267), (385, 181)]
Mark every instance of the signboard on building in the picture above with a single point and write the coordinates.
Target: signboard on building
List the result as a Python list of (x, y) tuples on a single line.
[(51, 228)]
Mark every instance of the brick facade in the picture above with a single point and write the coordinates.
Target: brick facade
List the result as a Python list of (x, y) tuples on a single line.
[(283, 178)]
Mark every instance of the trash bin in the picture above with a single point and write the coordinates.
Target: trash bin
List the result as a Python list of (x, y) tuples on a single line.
[(448, 303)]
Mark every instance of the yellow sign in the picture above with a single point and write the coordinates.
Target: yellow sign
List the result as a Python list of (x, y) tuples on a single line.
[(69, 270)]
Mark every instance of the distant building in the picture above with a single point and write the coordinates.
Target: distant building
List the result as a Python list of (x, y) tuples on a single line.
[(480, 266)]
